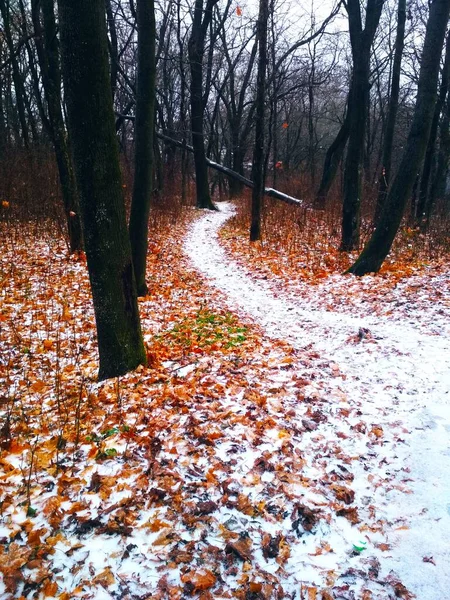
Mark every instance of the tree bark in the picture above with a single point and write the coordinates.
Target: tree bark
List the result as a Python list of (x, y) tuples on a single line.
[(438, 184), (196, 50), (87, 87), (424, 190), (144, 137), (258, 170), (379, 245), (113, 47), (17, 79), (361, 42), (392, 110), (47, 46), (333, 158)]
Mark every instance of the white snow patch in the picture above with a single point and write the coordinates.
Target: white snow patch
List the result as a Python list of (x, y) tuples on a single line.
[(399, 380)]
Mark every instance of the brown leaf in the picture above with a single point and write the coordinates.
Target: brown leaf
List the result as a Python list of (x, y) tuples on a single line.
[(270, 545), (344, 494), (198, 581), (304, 516), (205, 508), (50, 588), (105, 578), (241, 548), (349, 513), (377, 431), (383, 547)]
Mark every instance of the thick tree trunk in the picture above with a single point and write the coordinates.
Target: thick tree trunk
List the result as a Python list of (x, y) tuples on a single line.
[(48, 55), (258, 171), (144, 137), (196, 48), (379, 245), (423, 207), (87, 87), (438, 185), (392, 110), (361, 42)]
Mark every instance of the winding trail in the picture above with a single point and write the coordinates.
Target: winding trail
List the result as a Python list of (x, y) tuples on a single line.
[(400, 381)]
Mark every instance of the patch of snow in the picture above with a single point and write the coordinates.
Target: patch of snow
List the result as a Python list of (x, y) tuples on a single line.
[(398, 379)]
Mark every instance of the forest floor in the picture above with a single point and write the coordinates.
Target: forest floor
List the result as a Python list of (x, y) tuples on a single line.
[(288, 439)]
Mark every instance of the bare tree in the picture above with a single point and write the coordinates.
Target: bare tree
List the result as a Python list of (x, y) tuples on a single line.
[(258, 170), (361, 42), (392, 109), (379, 245), (144, 139), (47, 46), (91, 124), (196, 47)]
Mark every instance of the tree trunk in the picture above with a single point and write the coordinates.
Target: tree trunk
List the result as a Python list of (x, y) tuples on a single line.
[(438, 184), (17, 79), (113, 47), (333, 158), (423, 203), (144, 137), (183, 127), (196, 49), (48, 55), (87, 87), (258, 170), (379, 245), (392, 110), (361, 42)]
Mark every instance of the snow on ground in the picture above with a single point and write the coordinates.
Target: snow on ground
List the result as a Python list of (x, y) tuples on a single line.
[(393, 378)]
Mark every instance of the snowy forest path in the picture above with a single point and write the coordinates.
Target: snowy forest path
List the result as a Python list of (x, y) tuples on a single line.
[(396, 374)]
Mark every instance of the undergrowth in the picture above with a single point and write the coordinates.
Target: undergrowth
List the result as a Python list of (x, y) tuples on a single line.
[(306, 241)]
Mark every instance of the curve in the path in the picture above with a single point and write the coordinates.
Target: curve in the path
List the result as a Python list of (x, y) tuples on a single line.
[(403, 377)]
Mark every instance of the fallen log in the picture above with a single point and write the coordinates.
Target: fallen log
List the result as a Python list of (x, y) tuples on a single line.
[(226, 171)]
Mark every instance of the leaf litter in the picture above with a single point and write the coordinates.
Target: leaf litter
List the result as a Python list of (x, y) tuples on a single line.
[(236, 465)]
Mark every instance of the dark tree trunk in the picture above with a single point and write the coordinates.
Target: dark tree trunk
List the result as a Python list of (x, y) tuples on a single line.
[(33, 72), (196, 48), (91, 124), (427, 171), (113, 47), (392, 110), (144, 137), (379, 245), (17, 79), (48, 55), (438, 184), (3, 132), (333, 158), (361, 42), (258, 170), (183, 126)]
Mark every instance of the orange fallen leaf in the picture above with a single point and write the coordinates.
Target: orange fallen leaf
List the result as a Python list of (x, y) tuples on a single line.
[(50, 588), (199, 581)]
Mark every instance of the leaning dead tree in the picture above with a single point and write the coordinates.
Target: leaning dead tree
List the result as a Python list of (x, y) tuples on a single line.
[(270, 192)]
